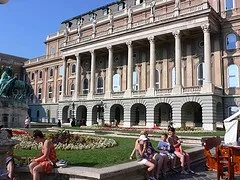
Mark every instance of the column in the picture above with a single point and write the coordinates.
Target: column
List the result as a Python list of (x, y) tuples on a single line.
[(178, 87), (64, 77), (93, 67), (35, 99), (207, 85), (151, 89), (55, 86), (45, 87), (110, 74), (128, 92), (78, 73)]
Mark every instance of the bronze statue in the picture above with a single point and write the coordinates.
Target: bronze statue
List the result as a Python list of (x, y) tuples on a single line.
[(13, 88)]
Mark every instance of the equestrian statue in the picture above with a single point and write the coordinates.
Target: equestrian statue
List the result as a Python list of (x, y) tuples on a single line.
[(11, 87)]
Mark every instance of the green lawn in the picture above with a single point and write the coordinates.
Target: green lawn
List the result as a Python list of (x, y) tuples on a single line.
[(96, 157)]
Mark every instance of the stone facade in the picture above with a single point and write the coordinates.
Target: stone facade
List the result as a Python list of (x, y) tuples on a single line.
[(141, 63)]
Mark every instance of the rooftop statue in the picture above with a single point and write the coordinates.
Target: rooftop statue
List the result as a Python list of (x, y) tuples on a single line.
[(13, 88)]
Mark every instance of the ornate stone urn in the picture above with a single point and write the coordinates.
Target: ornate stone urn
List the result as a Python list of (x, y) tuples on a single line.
[(5, 145)]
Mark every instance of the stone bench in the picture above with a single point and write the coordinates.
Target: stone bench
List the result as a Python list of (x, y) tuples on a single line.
[(130, 170)]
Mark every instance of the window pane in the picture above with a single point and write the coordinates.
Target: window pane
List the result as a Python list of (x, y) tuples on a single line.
[(231, 40), (100, 85), (232, 110), (61, 70), (157, 79), (116, 83), (73, 68), (201, 73), (135, 81), (229, 4), (85, 86), (233, 80)]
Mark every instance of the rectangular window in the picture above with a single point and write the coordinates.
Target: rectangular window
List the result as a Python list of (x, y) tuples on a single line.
[(229, 4)]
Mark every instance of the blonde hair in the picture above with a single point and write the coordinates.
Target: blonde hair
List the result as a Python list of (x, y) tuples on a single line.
[(144, 132)]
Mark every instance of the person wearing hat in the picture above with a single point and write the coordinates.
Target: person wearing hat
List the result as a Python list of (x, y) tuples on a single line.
[(142, 159)]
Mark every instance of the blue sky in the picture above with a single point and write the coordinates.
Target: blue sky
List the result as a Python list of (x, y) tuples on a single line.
[(25, 24)]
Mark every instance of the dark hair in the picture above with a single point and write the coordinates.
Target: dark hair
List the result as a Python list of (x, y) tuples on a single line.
[(9, 131), (37, 133), (171, 129), (165, 134)]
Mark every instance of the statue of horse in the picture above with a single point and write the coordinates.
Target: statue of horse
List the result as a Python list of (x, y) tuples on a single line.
[(12, 87)]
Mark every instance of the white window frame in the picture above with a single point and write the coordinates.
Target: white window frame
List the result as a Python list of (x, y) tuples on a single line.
[(50, 92), (61, 71), (233, 5), (232, 76), (201, 80), (85, 90), (72, 89), (135, 81), (40, 93), (230, 35), (116, 82), (157, 83), (100, 90)]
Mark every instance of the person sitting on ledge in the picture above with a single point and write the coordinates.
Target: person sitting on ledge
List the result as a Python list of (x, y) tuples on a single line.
[(175, 144), (46, 160)]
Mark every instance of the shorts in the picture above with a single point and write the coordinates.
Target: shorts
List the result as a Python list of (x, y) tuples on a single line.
[(142, 161)]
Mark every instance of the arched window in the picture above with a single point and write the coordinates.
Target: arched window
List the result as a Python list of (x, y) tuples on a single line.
[(51, 72), (232, 110), (73, 68), (231, 41), (40, 74), (232, 72), (60, 89), (85, 86), (100, 84), (50, 92), (32, 76), (157, 79), (229, 4), (116, 83), (40, 93), (72, 89), (135, 81), (173, 77), (200, 74), (61, 70)]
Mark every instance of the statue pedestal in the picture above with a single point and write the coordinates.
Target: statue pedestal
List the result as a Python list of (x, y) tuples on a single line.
[(5, 146)]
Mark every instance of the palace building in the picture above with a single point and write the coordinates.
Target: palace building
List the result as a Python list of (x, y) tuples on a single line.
[(140, 63)]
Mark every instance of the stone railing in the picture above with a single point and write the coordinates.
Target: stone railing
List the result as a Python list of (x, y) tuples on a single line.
[(43, 58), (139, 93), (193, 89), (141, 23), (117, 94), (163, 91), (99, 95)]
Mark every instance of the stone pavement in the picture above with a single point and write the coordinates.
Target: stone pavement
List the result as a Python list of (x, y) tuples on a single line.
[(200, 174)]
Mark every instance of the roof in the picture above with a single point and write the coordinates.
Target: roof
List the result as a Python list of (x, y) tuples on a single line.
[(11, 57), (92, 11)]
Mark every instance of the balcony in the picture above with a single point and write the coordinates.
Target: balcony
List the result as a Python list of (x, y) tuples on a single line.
[(43, 58), (192, 90)]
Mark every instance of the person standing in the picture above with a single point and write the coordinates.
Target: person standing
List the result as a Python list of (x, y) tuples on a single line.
[(27, 122)]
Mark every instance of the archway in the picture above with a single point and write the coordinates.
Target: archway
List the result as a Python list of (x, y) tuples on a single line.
[(65, 115), (117, 114), (192, 114), (138, 114), (98, 114), (162, 114), (81, 115)]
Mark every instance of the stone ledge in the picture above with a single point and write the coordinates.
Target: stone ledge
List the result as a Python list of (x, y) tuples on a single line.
[(131, 170)]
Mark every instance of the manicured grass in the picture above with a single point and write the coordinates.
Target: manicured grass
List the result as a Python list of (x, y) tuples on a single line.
[(95, 157)]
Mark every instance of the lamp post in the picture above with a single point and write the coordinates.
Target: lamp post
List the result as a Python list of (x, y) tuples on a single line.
[(73, 123)]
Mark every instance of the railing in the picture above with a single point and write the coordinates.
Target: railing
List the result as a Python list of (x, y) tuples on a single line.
[(218, 90), (139, 93), (192, 89), (83, 96), (163, 91), (162, 17), (43, 58), (117, 94), (99, 95)]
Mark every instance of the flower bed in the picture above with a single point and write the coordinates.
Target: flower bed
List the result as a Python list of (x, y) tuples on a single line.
[(63, 140)]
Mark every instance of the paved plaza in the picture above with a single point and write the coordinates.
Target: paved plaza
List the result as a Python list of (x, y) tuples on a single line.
[(200, 174)]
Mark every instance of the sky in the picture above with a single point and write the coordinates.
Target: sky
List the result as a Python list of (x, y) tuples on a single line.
[(25, 24)]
